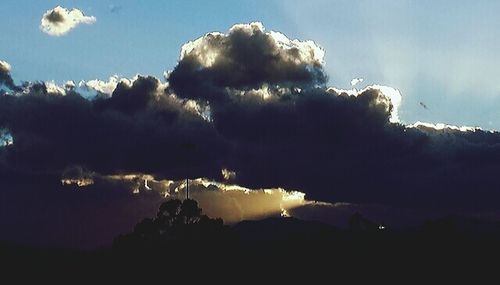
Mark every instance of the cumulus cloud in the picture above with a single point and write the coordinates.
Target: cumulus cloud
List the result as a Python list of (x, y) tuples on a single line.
[(245, 58), (59, 21)]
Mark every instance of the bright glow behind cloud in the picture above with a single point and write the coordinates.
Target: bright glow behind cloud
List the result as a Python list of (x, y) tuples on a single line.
[(4, 66), (395, 97), (392, 95), (443, 127), (5, 138), (231, 202)]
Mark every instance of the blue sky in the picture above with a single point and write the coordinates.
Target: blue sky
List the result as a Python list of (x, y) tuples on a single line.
[(442, 53)]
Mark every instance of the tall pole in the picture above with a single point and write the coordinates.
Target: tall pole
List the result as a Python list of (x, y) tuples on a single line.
[(187, 188)]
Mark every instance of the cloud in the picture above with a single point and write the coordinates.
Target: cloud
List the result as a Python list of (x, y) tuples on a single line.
[(59, 21), (257, 105), (138, 128), (5, 138), (5, 77), (53, 88), (102, 87), (335, 145), (389, 97), (441, 128), (355, 81), (245, 58)]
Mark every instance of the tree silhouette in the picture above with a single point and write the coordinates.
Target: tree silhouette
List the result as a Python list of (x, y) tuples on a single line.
[(176, 222), (168, 212), (190, 212)]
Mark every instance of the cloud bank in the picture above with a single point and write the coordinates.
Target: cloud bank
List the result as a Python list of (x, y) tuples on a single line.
[(255, 104), (59, 21)]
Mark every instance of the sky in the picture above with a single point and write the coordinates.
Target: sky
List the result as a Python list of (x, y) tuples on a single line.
[(440, 54), (270, 108)]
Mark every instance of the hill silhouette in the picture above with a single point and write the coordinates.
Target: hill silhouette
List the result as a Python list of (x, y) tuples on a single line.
[(181, 238)]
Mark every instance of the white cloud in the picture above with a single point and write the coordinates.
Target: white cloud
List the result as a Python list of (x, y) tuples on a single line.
[(355, 81), (69, 85), (107, 87), (53, 88), (442, 127), (59, 21), (104, 87)]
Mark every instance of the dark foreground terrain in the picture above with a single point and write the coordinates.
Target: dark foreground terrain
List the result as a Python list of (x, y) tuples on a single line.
[(276, 246), (182, 240)]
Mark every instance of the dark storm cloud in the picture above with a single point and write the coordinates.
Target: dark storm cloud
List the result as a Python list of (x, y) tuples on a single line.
[(333, 147), (262, 110), (286, 130), (344, 148), (139, 128), (129, 99)]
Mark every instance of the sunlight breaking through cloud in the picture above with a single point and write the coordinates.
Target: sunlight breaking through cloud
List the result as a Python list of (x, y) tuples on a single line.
[(391, 97), (443, 127), (6, 138), (233, 203)]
